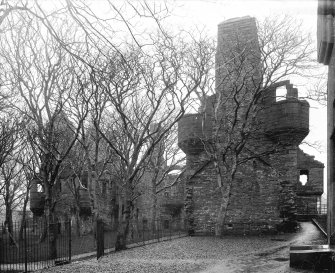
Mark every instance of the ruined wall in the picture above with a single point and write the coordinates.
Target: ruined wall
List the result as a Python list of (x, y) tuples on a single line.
[(263, 191), (309, 195), (65, 208), (315, 171), (169, 203)]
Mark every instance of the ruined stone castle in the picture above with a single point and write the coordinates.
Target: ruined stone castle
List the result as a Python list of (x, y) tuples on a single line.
[(264, 186)]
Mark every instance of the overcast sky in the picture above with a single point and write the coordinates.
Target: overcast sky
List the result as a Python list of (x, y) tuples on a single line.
[(212, 12)]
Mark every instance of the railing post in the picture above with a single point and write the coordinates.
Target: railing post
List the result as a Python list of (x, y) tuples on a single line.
[(100, 238), (70, 243), (2, 244), (170, 229), (25, 247), (143, 231)]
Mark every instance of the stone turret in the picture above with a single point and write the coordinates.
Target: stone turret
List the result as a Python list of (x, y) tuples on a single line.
[(195, 130), (286, 121)]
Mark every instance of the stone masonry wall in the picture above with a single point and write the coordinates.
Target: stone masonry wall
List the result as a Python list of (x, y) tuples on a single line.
[(263, 191)]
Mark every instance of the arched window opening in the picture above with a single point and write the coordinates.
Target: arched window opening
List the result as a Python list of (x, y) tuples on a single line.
[(303, 178)]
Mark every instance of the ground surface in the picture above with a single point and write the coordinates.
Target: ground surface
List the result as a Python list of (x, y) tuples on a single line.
[(204, 254)]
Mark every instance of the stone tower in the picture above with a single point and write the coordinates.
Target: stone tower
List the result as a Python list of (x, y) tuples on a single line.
[(263, 192)]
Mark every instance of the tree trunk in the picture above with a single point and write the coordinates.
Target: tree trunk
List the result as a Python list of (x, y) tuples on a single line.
[(9, 212), (223, 209), (44, 233), (9, 222), (51, 225), (78, 231), (23, 220), (92, 192), (123, 229), (154, 209), (53, 233)]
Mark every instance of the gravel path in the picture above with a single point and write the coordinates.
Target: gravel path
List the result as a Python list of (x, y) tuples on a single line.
[(202, 254)]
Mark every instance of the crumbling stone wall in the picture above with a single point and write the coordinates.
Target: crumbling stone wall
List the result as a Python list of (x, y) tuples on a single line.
[(309, 195), (264, 189)]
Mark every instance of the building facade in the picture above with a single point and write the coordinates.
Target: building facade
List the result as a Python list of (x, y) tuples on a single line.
[(73, 201)]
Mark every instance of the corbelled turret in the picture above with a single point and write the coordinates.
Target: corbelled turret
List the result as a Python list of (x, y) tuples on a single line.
[(286, 121), (193, 131)]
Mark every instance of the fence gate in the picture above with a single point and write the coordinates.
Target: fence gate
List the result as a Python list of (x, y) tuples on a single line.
[(100, 238)]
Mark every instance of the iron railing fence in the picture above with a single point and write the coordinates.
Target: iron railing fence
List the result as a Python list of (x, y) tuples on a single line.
[(31, 250), (236, 228), (26, 246), (312, 209), (247, 228), (141, 232), (321, 221)]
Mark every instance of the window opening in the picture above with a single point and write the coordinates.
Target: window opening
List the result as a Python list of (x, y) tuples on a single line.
[(303, 178), (40, 188), (281, 93)]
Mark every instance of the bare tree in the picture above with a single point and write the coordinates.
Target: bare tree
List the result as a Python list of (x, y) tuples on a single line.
[(29, 163), (163, 171), (38, 71), (13, 191), (11, 183), (91, 152), (127, 79), (144, 88), (150, 68), (8, 7)]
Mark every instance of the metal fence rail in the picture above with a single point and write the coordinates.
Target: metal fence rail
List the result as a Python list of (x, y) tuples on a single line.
[(312, 209), (247, 228), (26, 247), (141, 232), (31, 250)]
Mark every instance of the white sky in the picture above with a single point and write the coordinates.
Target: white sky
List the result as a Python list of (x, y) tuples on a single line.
[(212, 12)]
